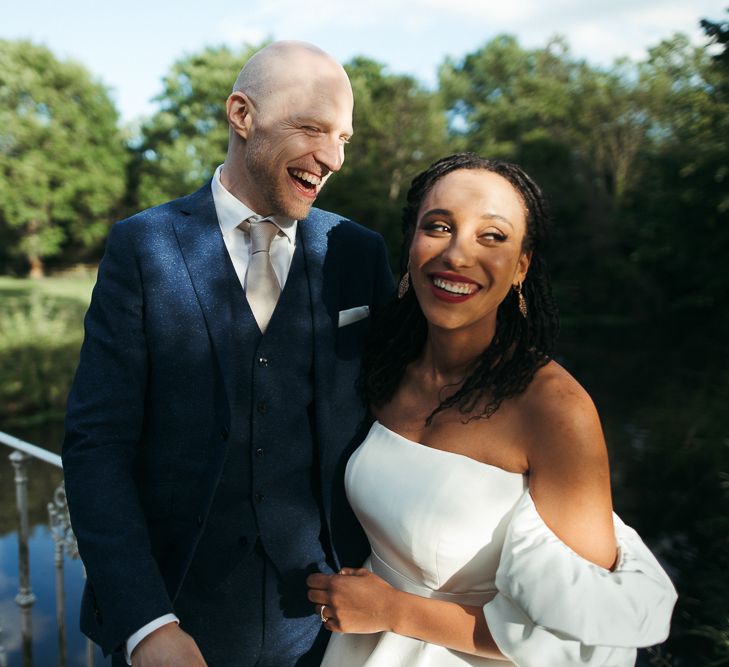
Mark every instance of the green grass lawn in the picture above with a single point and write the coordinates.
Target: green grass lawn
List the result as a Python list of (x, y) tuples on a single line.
[(73, 287), (41, 329)]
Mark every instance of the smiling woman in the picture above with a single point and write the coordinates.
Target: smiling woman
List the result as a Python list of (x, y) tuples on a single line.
[(486, 466), (468, 247), (473, 234)]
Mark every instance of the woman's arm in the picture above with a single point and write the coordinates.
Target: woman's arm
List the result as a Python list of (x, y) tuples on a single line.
[(569, 476), (358, 601)]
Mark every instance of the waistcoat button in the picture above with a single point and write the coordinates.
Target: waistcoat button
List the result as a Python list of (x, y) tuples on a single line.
[(258, 497), (259, 453), (263, 362), (262, 407)]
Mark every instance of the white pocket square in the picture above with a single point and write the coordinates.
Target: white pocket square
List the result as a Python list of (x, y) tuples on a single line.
[(353, 315)]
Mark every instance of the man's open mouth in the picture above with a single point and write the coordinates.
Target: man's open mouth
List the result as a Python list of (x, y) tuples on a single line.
[(307, 181)]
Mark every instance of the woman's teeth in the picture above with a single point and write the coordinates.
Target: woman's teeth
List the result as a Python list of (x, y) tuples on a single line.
[(455, 288)]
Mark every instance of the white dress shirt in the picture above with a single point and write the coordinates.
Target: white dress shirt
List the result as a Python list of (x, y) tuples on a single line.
[(231, 211)]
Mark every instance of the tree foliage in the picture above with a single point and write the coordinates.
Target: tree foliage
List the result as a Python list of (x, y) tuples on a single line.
[(61, 154)]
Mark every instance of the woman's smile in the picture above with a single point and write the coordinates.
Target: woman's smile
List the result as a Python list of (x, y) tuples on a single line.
[(453, 287)]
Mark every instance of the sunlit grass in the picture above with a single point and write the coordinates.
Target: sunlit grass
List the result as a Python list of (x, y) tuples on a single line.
[(41, 329)]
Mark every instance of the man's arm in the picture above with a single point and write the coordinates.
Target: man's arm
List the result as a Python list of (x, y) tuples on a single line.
[(103, 427)]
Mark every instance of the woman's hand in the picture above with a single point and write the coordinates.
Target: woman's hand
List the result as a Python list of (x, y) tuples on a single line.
[(355, 600)]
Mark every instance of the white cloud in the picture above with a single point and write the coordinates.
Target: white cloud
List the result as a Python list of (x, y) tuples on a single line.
[(237, 32), (287, 18), (490, 11), (602, 31), (11, 637)]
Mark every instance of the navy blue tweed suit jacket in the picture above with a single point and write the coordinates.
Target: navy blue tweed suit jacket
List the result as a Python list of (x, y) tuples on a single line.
[(148, 413)]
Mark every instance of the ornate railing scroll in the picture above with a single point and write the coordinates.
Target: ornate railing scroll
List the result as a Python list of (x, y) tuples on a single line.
[(64, 545)]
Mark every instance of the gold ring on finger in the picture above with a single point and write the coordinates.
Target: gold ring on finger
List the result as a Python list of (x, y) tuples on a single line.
[(324, 618)]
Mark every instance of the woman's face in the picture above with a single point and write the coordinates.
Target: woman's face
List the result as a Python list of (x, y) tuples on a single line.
[(467, 249)]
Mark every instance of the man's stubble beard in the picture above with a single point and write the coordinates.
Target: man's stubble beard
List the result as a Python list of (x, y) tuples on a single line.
[(269, 186)]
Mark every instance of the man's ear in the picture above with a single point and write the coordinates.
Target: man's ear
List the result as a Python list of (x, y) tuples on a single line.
[(240, 113)]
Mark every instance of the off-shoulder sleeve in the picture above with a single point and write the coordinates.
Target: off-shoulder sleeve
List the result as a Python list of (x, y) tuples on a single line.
[(554, 608)]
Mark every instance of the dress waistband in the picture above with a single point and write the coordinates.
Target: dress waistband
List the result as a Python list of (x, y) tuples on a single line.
[(403, 583)]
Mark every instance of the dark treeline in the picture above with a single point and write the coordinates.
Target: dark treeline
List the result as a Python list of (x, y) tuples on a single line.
[(634, 158)]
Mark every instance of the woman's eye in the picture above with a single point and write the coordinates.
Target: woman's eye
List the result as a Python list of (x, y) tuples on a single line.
[(438, 227), (493, 235)]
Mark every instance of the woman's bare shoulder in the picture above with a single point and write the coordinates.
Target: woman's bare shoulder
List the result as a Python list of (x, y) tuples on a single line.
[(561, 417)]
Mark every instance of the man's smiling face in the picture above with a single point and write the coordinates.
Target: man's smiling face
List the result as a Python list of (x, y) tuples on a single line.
[(296, 140)]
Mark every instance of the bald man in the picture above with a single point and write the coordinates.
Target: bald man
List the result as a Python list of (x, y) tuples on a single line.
[(214, 406)]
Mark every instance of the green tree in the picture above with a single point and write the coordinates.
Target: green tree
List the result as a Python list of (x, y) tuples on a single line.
[(399, 129), (686, 173), (62, 157), (502, 96), (183, 143)]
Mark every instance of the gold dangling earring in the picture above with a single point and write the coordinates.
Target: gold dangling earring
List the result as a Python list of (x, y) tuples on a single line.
[(522, 300), (404, 285)]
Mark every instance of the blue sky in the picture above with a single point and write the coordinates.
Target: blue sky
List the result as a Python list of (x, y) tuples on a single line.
[(130, 45)]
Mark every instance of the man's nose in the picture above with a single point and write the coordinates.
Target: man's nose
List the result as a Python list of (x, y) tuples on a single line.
[(331, 154)]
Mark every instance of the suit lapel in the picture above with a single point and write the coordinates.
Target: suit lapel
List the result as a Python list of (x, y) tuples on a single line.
[(322, 272), (209, 266), (322, 275)]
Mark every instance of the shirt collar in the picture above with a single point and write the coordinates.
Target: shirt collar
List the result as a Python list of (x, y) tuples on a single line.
[(232, 211)]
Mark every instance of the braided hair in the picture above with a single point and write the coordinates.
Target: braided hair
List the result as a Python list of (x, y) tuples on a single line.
[(520, 346)]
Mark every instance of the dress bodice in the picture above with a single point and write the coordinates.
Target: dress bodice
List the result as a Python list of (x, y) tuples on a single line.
[(434, 519)]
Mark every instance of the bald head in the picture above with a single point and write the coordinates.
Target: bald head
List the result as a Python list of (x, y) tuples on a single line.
[(278, 68), (290, 116)]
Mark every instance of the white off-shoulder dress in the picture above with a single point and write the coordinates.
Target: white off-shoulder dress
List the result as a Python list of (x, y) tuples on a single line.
[(445, 526)]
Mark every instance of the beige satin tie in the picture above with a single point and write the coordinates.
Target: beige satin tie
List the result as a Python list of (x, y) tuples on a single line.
[(262, 288)]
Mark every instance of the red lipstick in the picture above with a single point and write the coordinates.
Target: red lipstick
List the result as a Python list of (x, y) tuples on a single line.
[(444, 294)]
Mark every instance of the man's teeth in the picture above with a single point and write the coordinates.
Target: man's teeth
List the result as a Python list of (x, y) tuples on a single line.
[(306, 176), (455, 288)]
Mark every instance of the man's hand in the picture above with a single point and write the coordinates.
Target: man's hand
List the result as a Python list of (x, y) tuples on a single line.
[(168, 646)]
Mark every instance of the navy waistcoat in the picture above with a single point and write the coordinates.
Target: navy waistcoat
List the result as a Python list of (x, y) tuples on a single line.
[(268, 491)]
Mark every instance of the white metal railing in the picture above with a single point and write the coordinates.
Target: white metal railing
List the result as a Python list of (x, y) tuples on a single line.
[(64, 540)]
